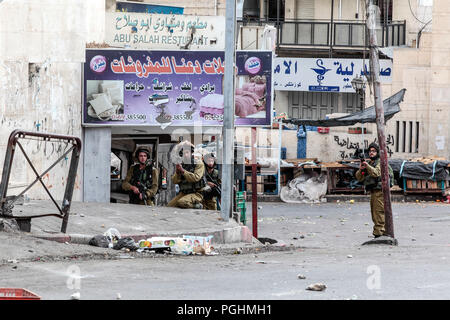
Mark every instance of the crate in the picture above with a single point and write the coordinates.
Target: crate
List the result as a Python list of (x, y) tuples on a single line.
[(423, 186), (259, 184), (241, 206), (17, 294)]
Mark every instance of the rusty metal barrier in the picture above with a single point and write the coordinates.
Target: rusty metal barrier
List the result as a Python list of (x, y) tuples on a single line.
[(7, 203)]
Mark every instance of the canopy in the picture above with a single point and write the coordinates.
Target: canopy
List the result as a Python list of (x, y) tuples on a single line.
[(390, 105)]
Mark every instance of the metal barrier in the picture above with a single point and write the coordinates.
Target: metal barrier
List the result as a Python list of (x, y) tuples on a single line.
[(323, 34), (7, 203)]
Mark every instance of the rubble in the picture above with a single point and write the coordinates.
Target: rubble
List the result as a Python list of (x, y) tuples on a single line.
[(316, 287)]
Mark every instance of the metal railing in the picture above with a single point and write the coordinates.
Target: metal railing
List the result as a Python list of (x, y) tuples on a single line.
[(323, 33), (7, 202)]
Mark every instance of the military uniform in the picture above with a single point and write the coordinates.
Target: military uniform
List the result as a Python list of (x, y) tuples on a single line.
[(191, 183), (372, 183), (210, 198), (147, 177)]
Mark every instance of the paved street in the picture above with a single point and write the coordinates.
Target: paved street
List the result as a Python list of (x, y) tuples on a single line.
[(327, 249)]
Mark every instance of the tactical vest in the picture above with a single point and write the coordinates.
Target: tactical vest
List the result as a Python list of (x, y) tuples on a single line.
[(140, 177), (372, 183), (214, 178), (191, 187)]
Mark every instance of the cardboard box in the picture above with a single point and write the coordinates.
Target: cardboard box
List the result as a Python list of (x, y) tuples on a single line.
[(259, 184)]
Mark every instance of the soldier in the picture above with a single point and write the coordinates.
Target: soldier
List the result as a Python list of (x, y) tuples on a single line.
[(370, 174), (189, 175), (212, 191), (142, 179)]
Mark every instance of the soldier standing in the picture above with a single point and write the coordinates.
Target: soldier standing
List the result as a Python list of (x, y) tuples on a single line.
[(142, 179), (369, 174), (213, 181), (189, 175)]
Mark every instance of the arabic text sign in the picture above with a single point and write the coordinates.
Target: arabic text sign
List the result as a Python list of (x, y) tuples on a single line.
[(162, 31), (177, 88), (325, 75)]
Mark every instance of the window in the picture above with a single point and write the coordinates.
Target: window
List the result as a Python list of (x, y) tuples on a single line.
[(407, 136)]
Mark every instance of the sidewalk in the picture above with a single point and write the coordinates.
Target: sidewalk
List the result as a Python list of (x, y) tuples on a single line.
[(87, 220)]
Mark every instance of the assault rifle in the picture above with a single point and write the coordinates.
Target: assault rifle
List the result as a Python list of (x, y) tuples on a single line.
[(215, 191)]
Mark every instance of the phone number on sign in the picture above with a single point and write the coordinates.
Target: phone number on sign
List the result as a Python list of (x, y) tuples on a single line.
[(135, 116), (214, 117), (181, 117)]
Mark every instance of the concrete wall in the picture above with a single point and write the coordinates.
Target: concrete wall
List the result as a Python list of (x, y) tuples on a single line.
[(42, 47)]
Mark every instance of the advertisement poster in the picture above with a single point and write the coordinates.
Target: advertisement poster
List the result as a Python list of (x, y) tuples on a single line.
[(323, 75), (174, 88)]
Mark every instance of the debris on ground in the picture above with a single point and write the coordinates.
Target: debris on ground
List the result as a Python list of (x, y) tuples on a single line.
[(9, 225), (99, 241), (301, 276), (186, 245), (75, 296), (316, 287)]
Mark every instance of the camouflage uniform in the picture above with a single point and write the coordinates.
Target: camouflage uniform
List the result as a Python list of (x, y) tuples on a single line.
[(371, 179), (210, 199), (148, 177), (191, 182)]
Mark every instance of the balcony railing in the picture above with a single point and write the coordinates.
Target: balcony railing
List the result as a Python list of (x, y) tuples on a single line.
[(323, 33)]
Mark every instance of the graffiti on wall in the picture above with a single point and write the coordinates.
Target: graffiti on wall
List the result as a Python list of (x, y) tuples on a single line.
[(348, 146)]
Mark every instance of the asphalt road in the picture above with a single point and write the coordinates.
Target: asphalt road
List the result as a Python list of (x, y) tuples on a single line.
[(321, 242)]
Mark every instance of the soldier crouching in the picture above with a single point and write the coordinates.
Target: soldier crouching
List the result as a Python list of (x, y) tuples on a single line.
[(189, 175)]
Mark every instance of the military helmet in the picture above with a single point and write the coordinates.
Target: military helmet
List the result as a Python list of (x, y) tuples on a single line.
[(208, 156), (143, 149), (375, 146)]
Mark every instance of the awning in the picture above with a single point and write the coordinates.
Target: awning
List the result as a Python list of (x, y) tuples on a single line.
[(390, 105)]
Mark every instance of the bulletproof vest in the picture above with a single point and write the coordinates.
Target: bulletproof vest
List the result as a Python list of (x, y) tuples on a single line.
[(213, 176), (372, 183), (191, 187), (142, 177)]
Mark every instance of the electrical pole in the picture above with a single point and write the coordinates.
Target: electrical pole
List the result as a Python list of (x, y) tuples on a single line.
[(228, 114), (371, 15)]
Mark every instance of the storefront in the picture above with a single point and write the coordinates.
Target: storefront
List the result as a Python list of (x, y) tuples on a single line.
[(158, 98)]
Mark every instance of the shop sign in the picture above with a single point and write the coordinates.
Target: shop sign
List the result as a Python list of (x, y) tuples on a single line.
[(177, 88), (163, 31), (323, 75)]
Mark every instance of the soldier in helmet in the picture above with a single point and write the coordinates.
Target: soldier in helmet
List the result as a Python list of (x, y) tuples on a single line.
[(369, 174), (213, 182), (142, 179), (189, 175)]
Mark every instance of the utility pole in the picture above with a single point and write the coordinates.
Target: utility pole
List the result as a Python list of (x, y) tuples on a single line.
[(371, 15), (228, 114)]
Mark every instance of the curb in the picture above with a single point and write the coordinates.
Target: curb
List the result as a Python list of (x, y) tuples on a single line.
[(228, 235)]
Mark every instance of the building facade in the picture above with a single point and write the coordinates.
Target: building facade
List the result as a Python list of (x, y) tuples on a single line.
[(43, 46)]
